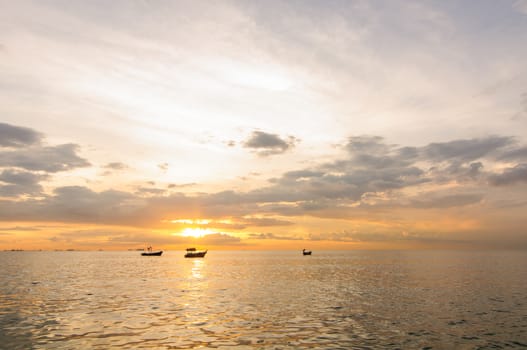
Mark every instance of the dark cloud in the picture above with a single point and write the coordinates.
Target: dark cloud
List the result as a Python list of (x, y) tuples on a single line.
[(75, 204), (376, 167), (190, 184), (22, 178), (371, 166), (50, 159), (516, 154), (266, 144), (371, 152), (80, 203), (17, 136), (466, 150), (20, 183), (367, 145), (510, 176), (300, 175), (150, 191)]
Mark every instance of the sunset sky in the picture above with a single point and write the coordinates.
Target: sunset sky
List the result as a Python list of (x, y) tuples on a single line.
[(263, 124)]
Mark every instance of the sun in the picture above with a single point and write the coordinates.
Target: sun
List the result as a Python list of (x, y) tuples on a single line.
[(195, 232)]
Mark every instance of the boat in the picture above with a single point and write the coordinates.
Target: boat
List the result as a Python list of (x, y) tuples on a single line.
[(306, 252), (149, 252), (193, 253)]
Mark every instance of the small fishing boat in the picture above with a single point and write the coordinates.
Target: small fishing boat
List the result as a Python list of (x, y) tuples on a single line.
[(193, 253), (306, 252), (149, 252)]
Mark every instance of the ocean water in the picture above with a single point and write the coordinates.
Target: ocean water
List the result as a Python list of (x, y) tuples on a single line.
[(264, 300)]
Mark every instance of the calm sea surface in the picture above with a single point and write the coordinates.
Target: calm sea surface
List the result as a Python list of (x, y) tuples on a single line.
[(264, 300)]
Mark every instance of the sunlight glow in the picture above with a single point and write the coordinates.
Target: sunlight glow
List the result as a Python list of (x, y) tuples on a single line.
[(191, 222), (195, 232)]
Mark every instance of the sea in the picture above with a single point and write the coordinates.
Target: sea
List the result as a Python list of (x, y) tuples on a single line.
[(264, 300)]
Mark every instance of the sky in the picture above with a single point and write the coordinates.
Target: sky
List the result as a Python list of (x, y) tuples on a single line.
[(263, 124)]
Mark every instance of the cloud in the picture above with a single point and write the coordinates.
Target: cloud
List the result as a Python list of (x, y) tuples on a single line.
[(371, 177), (163, 167), (466, 150), (25, 151), (125, 238), (17, 136), (218, 239), (436, 200), (49, 158), (353, 236), (265, 222), (266, 144), (141, 238), (520, 6), (517, 154), (510, 176), (20, 183), (190, 184), (22, 178), (74, 204), (240, 223), (150, 191), (116, 166), (270, 235), (21, 228)]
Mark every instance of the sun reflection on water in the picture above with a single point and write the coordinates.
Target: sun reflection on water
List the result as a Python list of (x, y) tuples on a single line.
[(197, 268)]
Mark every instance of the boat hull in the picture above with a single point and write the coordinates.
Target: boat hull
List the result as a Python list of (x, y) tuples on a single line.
[(152, 253), (195, 254)]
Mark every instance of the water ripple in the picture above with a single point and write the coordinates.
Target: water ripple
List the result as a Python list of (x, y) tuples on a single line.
[(263, 300)]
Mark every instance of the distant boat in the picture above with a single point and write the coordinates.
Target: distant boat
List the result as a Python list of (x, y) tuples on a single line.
[(192, 253), (149, 252), (306, 252)]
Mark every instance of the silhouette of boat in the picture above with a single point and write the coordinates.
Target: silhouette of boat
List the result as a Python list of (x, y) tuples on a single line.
[(306, 252), (149, 252), (193, 253)]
